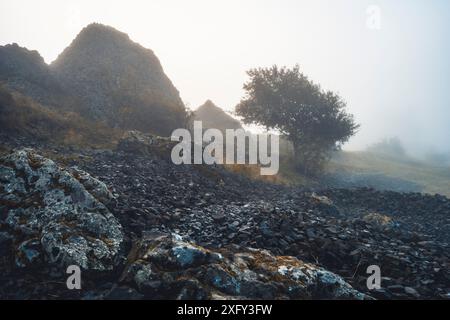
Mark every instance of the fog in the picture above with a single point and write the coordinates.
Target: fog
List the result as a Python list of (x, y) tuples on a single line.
[(388, 59)]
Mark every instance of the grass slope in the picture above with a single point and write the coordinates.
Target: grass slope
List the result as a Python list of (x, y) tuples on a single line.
[(433, 179)]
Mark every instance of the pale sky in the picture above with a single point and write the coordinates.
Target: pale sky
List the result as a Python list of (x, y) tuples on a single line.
[(395, 78)]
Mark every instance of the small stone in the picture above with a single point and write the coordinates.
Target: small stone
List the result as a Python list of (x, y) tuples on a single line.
[(396, 288), (124, 293), (412, 291), (218, 216), (425, 243), (310, 233), (235, 224)]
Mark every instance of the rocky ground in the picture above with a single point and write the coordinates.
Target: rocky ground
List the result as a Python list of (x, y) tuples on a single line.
[(141, 227)]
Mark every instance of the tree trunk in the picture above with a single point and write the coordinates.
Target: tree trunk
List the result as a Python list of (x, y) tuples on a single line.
[(298, 158)]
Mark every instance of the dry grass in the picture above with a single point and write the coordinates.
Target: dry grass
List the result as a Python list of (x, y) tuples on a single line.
[(286, 175), (22, 116), (434, 179)]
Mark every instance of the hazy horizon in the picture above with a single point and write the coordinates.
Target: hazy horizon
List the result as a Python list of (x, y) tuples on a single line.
[(394, 78)]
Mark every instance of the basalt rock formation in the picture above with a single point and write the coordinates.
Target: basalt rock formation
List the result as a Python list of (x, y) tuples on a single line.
[(25, 71), (103, 76), (119, 81)]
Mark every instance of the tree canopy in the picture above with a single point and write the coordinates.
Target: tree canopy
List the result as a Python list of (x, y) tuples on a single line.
[(313, 119)]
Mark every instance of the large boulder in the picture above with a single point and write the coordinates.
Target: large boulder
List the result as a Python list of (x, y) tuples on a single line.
[(56, 216), (164, 266)]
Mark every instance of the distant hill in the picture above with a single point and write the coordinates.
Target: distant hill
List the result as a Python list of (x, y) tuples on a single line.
[(103, 76), (213, 117)]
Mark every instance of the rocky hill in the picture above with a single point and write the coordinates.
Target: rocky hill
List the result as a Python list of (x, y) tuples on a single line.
[(103, 76), (214, 117), (25, 71), (119, 81)]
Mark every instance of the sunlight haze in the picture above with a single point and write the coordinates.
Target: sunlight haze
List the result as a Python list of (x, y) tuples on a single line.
[(395, 79)]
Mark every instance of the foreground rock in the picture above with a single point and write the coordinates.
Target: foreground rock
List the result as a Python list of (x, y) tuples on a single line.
[(56, 216), (164, 266)]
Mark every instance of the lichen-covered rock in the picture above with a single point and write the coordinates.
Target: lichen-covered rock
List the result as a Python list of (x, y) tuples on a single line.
[(165, 266), (57, 216)]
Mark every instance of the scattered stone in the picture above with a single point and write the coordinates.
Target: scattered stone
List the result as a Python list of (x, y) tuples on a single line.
[(150, 194), (412, 292)]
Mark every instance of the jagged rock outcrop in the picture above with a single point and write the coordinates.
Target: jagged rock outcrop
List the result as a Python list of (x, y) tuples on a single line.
[(165, 266), (213, 117), (103, 76), (119, 81), (56, 216), (26, 71)]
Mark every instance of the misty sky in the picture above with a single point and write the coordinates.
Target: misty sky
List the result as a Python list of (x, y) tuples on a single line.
[(396, 79)]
